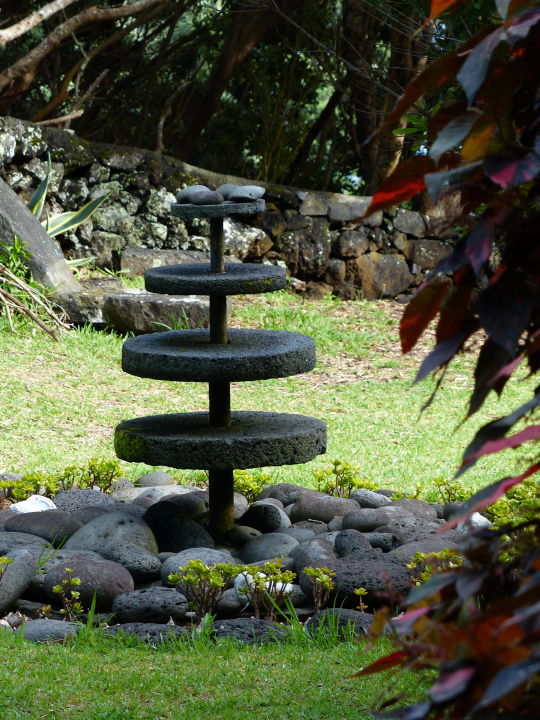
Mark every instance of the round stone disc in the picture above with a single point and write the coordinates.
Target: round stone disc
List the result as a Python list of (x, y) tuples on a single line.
[(196, 279), (188, 211), (187, 441), (188, 355)]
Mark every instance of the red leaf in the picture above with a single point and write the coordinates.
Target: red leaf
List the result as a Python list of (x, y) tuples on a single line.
[(473, 71), (398, 658), (420, 312), (487, 496), (453, 133), (451, 684), (519, 28), (441, 355), (508, 679), (454, 311), (492, 446), (439, 6), (405, 182), (404, 622), (478, 245), (508, 169)]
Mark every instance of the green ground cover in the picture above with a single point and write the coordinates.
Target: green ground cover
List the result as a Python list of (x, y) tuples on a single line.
[(61, 401)]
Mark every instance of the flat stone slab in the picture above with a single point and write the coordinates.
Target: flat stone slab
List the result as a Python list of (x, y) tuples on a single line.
[(188, 355), (187, 211), (197, 279), (187, 441)]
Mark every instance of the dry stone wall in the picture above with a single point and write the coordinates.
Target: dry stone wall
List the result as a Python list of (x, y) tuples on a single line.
[(316, 235)]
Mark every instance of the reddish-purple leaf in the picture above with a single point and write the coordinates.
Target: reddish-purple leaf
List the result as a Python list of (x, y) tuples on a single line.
[(474, 69), (441, 355), (505, 372), (405, 182), (432, 586), (504, 310), (511, 168), (491, 358), (398, 658), (469, 583), (454, 312), (450, 684), (478, 245), (453, 134), (437, 182), (487, 496), (403, 623), (439, 6), (420, 312), (492, 446), (519, 28), (502, 7), (508, 680), (411, 712)]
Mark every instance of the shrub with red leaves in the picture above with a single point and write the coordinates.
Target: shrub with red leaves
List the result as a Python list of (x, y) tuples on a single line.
[(479, 624)]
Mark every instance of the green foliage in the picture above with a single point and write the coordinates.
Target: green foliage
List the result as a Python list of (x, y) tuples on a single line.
[(424, 565), (69, 596), (100, 473), (340, 479), (322, 585), (4, 562), (521, 504), (267, 587), (203, 584), (250, 484), (361, 592)]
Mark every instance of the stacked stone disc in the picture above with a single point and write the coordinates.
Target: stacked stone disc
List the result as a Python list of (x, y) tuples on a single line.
[(219, 440)]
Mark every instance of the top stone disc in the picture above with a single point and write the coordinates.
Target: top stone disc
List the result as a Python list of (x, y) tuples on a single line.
[(187, 211), (197, 279)]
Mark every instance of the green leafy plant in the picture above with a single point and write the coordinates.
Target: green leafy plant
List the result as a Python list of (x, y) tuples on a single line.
[(361, 592), (203, 584), (69, 596), (250, 484), (424, 565), (340, 479), (322, 585), (4, 562), (267, 587)]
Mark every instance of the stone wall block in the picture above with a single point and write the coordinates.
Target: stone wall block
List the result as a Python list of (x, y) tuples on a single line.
[(351, 244), (345, 208), (383, 275), (315, 204), (410, 222), (427, 253)]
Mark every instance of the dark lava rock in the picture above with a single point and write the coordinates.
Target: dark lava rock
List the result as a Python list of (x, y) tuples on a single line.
[(173, 530), (148, 632), (192, 504), (71, 500), (300, 534), (350, 541), (324, 508), (433, 544), (287, 493), (315, 526), (241, 534), (363, 520), (318, 552), (55, 526), (85, 514), (251, 631), (419, 508), (62, 558), (115, 527), (141, 564), (11, 540), (382, 541), (452, 508), (154, 604), (16, 577), (377, 573), (208, 556), (341, 621), (267, 547), (265, 516), (151, 479), (48, 630), (369, 499), (104, 577)]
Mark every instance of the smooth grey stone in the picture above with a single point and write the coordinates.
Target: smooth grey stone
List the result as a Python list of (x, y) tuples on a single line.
[(71, 500), (192, 505), (113, 527), (184, 194), (174, 530), (300, 534), (346, 623), (361, 519), (434, 544), (263, 515), (452, 508), (336, 523), (322, 508), (369, 499), (475, 521), (131, 508), (11, 540), (227, 189), (4, 515), (240, 505), (382, 541), (154, 479), (192, 211), (254, 439), (229, 603), (246, 193), (251, 631), (105, 578), (316, 526), (240, 534), (62, 558), (85, 514), (48, 630), (148, 632), (16, 577), (208, 556), (287, 493), (188, 355), (350, 541), (298, 597), (141, 564), (420, 509), (154, 604), (318, 552), (267, 547), (198, 279), (55, 526)]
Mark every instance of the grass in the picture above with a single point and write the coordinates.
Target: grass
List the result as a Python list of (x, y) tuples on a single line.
[(61, 401), (102, 679)]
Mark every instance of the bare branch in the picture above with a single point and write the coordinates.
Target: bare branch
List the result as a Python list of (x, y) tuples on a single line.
[(26, 67), (31, 21), (62, 119)]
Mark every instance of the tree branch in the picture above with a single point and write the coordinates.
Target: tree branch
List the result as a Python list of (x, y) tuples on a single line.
[(31, 21)]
